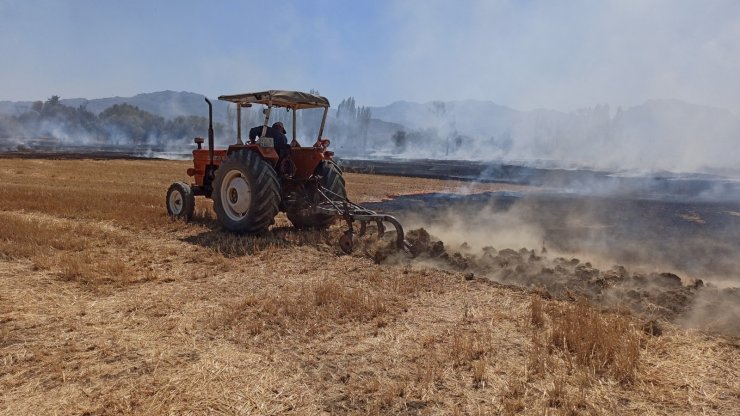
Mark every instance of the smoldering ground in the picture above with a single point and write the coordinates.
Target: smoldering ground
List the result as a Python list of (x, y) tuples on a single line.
[(664, 260)]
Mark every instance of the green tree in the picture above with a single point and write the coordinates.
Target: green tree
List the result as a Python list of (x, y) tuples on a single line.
[(128, 123)]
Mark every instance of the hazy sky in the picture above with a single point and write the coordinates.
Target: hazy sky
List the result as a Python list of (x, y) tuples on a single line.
[(525, 54)]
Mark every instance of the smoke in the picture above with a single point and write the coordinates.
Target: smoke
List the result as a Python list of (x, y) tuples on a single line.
[(480, 228), (695, 240), (660, 135), (119, 128), (715, 309), (621, 79)]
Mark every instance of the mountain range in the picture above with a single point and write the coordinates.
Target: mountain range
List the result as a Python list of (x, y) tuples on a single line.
[(657, 134), (168, 104)]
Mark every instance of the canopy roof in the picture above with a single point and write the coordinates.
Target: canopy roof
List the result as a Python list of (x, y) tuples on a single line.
[(292, 99)]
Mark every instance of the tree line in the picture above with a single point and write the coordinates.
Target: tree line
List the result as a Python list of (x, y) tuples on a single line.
[(128, 125), (122, 124)]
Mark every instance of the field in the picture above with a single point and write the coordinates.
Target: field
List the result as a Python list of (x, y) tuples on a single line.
[(109, 307)]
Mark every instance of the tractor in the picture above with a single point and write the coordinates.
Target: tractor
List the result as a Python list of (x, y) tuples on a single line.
[(251, 182)]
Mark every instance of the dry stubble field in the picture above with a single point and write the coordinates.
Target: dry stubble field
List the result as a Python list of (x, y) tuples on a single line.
[(108, 307)]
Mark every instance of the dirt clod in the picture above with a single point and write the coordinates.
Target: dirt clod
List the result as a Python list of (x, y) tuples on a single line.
[(654, 296)]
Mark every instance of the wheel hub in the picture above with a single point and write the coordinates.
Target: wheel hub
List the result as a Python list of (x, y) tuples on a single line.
[(176, 203), (236, 195)]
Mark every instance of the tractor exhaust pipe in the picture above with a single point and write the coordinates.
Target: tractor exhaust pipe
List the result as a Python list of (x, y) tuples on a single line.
[(210, 130)]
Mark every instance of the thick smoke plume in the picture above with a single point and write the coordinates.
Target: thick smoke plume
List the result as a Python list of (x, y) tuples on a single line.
[(660, 135)]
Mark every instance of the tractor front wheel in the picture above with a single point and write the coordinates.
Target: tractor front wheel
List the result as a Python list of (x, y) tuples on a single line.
[(246, 193), (180, 201)]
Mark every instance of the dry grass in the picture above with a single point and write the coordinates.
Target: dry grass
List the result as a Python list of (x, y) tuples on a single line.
[(602, 343), (537, 315), (300, 310), (107, 307)]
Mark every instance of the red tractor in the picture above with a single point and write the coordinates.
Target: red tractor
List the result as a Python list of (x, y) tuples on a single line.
[(251, 182)]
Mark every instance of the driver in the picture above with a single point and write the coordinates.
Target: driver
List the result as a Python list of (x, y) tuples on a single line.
[(277, 132)]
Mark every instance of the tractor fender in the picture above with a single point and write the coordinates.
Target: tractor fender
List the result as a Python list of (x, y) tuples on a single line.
[(267, 153)]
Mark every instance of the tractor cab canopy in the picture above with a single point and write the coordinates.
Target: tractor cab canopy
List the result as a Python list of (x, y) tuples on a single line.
[(294, 100)]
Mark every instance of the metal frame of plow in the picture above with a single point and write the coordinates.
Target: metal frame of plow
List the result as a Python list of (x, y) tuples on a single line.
[(351, 212)]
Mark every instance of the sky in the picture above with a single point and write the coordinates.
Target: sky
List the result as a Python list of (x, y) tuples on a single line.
[(525, 54)]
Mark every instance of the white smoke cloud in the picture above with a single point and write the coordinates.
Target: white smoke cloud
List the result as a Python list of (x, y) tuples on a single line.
[(659, 135)]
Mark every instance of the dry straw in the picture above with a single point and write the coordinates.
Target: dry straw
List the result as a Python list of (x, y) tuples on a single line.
[(107, 307)]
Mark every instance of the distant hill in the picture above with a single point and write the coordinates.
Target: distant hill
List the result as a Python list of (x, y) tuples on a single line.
[(167, 104)]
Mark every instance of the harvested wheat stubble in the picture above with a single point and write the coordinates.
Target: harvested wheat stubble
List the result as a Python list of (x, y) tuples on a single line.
[(172, 318)]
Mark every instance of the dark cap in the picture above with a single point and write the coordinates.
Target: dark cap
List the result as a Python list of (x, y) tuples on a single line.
[(280, 125)]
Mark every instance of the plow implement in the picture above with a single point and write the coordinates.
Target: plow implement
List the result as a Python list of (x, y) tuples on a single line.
[(349, 212)]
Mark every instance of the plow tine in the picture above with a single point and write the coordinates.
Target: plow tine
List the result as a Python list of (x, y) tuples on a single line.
[(400, 237), (381, 228), (346, 242)]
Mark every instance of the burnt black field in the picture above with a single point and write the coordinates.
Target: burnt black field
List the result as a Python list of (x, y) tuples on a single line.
[(687, 224), (696, 239), (656, 185)]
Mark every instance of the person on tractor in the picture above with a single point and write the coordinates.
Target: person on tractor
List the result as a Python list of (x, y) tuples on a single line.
[(277, 132)]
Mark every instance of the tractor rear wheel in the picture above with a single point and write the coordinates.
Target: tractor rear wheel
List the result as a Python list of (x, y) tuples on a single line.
[(331, 179), (246, 193), (180, 201)]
